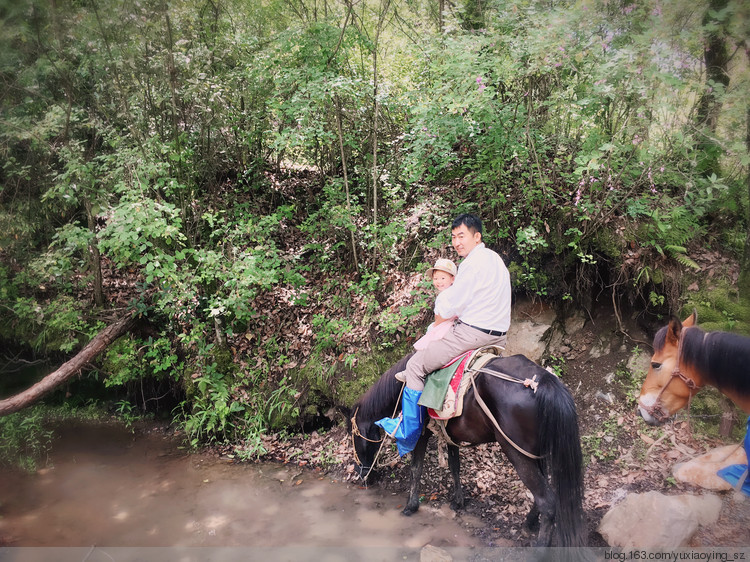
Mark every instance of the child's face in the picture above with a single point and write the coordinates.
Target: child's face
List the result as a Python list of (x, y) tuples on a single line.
[(441, 280)]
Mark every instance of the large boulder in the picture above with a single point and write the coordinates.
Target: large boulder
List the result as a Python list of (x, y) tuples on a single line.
[(529, 324), (653, 520)]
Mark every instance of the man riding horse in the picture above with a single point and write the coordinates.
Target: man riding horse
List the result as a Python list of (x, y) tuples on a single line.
[(480, 300)]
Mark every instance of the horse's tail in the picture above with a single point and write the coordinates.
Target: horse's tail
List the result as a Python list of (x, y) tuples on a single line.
[(560, 445)]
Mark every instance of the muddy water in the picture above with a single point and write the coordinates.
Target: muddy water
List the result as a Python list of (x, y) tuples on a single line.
[(108, 486)]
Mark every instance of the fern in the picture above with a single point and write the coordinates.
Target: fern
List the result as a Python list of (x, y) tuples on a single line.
[(682, 227), (680, 254), (670, 232), (673, 230)]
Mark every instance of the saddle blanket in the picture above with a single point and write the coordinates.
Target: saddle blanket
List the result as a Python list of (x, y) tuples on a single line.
[(445, 388), (439, 382)]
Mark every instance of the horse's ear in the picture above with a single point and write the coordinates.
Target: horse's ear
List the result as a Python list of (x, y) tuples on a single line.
[(673, 330), (344, 411), (691, 320)]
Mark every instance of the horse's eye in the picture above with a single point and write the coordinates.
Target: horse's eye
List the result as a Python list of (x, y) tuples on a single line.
[(655, 365)]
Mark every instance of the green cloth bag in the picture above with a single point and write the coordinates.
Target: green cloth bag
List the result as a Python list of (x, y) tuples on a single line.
[(436, 386)]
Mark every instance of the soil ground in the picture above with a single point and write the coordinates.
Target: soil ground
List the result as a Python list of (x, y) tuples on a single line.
[(622, 454)]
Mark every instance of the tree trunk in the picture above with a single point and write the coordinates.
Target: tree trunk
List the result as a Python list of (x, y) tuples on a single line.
[(102, 340), (716, 58), (96, 260), (346, 179)]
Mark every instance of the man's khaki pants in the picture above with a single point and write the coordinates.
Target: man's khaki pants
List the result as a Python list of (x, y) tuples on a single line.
[(459, 339)]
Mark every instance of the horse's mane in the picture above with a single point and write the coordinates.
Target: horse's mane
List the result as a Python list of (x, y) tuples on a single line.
[(722, 357), (660, 339), (382, 396)]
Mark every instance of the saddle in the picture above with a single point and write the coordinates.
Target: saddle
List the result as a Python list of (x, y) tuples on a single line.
[(444, 389), (468, 365)]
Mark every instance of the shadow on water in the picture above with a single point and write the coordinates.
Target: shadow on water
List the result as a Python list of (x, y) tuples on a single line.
[(108, 486)]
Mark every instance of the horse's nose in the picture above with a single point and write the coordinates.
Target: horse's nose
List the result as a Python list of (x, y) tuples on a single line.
[(648, 416)]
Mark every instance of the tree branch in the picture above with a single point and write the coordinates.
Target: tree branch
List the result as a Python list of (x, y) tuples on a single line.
[(102, 340)]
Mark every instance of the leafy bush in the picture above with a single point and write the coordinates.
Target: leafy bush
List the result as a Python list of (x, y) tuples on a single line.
[(25, 439)]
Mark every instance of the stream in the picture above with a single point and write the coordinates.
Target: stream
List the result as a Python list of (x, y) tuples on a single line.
[(106, 486)]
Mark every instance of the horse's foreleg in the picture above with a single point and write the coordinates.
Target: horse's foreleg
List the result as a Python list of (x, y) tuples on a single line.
[(417, 463), (454, 463)]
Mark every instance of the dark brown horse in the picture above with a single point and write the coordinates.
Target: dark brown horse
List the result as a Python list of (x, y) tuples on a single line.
[(542, 422), (685, 360)]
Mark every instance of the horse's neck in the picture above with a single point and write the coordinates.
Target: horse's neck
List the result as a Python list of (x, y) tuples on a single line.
[(703, 376), (742, 401)]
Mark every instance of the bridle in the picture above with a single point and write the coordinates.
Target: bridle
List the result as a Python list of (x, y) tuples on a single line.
[(357, 433), (657, 410)]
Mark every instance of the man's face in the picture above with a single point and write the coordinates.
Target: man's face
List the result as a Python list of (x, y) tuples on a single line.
[(464, 240)]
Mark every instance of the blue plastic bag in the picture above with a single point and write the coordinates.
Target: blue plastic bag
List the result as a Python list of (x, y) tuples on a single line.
[(737, 474)]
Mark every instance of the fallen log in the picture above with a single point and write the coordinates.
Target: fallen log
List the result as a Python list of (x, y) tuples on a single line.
[(100, 342)]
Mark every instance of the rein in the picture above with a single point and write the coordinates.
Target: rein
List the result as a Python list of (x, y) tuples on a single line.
[(656, 410), (357, 433)]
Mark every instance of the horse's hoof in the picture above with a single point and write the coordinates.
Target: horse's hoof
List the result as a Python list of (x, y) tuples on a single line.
[(457, 505), (409, 510), (532, 524)]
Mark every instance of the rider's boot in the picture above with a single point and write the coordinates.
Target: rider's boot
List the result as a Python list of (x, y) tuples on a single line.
[(407, 427)]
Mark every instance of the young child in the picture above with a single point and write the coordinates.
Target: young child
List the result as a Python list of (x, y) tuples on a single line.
[(442, 275)]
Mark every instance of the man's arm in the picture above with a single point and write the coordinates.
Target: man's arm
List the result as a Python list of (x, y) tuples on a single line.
[(453, 301)]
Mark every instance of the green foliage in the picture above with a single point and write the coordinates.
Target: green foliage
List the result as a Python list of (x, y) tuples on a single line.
[(57, 325), (720, 307), (214, 416), (128, 413), (155, 134), (401, 321), (670, 233), (601, 443), (530, 244), (281, 406), (25, 439), (370, 366), (329, 332), (129, 360)]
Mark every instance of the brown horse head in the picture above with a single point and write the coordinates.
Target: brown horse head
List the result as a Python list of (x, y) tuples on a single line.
[(670, 383)]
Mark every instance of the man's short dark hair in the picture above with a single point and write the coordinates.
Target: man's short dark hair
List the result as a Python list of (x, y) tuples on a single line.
[(472, 222)]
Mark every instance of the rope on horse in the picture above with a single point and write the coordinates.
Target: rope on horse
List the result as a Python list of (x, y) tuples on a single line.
[(356, 432), (528, 382)]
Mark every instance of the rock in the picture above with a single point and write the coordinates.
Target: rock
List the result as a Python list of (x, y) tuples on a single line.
[(639, 363), (525, 337), (431, 553), (600, 349), (701, 471), (575, 322), (528, 326), (653, 520)]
